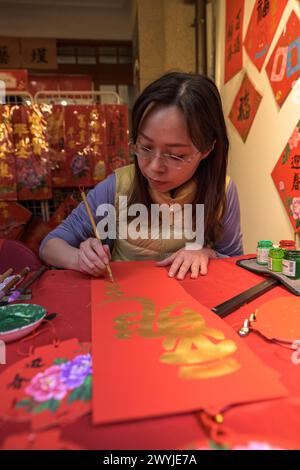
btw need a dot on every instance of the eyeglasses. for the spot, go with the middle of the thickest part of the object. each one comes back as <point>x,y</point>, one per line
<point>169,160</point>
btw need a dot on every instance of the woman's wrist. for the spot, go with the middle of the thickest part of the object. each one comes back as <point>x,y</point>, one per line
<point>209,252</point>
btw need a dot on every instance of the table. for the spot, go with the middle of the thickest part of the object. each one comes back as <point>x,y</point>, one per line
<point>68,294</point>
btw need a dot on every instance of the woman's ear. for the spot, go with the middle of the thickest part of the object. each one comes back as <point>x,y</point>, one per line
<point>210,150</point>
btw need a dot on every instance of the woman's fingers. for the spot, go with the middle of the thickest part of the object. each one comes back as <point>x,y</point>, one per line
<point>166,261</point>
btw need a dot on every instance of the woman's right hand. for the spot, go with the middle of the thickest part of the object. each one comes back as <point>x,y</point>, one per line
<point>93,257</point>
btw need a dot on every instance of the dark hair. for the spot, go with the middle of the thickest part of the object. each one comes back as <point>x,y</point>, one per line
<point>199,100</point>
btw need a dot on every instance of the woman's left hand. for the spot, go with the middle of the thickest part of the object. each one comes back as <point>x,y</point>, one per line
<point>184,260</point>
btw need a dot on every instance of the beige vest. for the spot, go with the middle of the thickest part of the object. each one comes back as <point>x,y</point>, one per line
<point>155,247</point>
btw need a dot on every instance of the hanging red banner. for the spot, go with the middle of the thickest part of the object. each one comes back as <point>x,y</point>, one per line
<point>116,136</point>
<point>263,24</point>
<point>55,119</point>
<point>97,129</point>
<point>233,38</point>
<point>78,155</point>
<point>245,107</point>
<point>283,68</point>
<point>8,181</point>
<point>286,176</point>
<point>157,351</point>
<point>31,152</point>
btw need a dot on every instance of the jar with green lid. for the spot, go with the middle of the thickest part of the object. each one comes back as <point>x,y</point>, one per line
<point>275,259</point>
<point>291,264</point>
<point>262,251</point>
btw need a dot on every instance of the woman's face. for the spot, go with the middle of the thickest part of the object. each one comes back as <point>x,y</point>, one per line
<point>164,131</point>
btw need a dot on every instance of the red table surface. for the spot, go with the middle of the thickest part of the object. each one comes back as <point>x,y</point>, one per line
<point>68,294</point>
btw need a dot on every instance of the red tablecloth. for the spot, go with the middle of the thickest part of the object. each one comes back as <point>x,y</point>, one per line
<point>68,294</point>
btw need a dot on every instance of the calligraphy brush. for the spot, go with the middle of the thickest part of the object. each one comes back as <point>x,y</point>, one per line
<point>14,281</point>
<point>89,212</point>
<point>6,274</point>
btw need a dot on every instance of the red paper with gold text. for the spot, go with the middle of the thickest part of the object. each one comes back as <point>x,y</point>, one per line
<point>286,177</point>
<point>283,68</point>
<point>265,18</point>
<point>116,136</point>
<point>8,180</point>
<point>233,38</point>
<point>157,351</point>
<point>31,153</point>
<point>245,107</point>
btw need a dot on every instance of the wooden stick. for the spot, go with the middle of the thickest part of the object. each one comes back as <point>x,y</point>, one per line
<point>89,212</point>
<point>14,281</point>
<point>6,274</point>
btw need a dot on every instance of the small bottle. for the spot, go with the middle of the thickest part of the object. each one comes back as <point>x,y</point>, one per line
<point>275,259</point>
<point>287,244</point>
<point>262,251</point>
<point>291,264</point>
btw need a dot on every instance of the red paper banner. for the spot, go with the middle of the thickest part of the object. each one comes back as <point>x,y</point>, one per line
<point>47,440</point>
<point>263,24</point>
<point>157,351</point>
<point>8,181</point>
<point>13,218</point>
<point>245,107</point>
<point>54,82</point>
<point>286,176</point>
<point>15,80</point>
<point>97,123</point>
<point>116,136</point>
<point>233,38</point>
<point>283,68</point>
<point>32,153</point>
<point>55,119</point>
<point>79,158</point>
<point>96,142</point>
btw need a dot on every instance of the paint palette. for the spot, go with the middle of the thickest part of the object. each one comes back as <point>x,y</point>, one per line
<point>19,320</point>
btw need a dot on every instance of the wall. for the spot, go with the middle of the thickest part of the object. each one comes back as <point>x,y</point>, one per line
<point>78,21</point>
<point>166,38</point>
<point>251,164</point>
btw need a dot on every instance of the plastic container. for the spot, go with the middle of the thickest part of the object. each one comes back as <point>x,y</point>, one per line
<point>262,251</point>
<point>275,259</point>
<point>287,245</point>
<point>291,264</point>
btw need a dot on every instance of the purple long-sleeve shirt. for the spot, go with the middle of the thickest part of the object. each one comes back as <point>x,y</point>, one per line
<point>76,227</point>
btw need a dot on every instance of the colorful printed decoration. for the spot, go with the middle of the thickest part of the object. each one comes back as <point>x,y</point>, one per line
<point>8,180</point>
<point>286,177</point>
<point>172,354</point>
<point>245,107</point>
<point>31,152</point>
<point>51,387</point>
<point>233,38</point>
<point>283,68</point>
<point>262,27</point>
